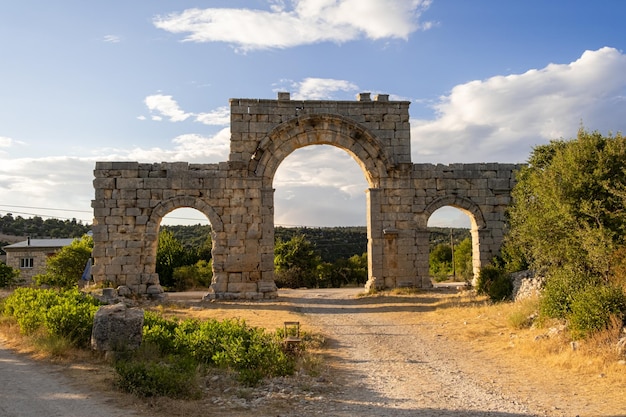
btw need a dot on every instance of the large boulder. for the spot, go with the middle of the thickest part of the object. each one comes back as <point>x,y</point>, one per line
<point>117,328</point>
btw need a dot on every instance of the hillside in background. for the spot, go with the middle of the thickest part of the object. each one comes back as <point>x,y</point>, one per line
<point>16,229</point>
<point>331,242</point>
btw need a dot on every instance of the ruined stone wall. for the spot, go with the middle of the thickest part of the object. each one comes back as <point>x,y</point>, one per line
<point>237,196</point>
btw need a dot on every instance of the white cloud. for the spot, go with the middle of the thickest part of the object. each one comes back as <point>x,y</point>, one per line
<point>112,39</point>
<point>5,142</point>
<point>187,148</point>
<point>166,106</point>
<point>162,105</point>
<point>503,117</point>
<point>319,185</point>
<point>320,88</point>
<point>64,185</point>
<point>299,22</point>
<point>217,117</point>
<point>55,183</point>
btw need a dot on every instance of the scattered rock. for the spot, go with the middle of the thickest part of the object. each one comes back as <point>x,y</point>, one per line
<point>526,285</point>
<point>117,328</point>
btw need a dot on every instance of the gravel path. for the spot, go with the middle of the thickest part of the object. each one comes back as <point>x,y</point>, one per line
<point>33,389</point>
<point>393,369</point>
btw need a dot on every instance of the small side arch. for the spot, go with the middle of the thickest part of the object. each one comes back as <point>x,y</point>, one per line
<point>477,219</point>
<point>464,204</point>
<point>166,206</point>
<point>161,210</point>
<point>321,129</point>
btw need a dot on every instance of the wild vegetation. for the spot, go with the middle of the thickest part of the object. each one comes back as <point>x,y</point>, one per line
<point>568,223</point>
<point>174,353</point>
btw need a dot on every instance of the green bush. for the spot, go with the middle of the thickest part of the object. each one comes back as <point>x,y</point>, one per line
<point>28,307</point>
<point>71,320</point>
<point>495,283</point>
<point>593,307</point>
<point>8,276</point>
<point>67,314</point>
<point>252,352</point>
<point>561,287</point>
<point>174,378</point>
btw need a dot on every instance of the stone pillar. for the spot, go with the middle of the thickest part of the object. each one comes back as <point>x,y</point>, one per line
<point>422,263</point>
<point>374,240</point>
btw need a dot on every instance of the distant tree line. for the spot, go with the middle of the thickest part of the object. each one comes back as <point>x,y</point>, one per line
<point>304,256</point>
<point>36,227</point>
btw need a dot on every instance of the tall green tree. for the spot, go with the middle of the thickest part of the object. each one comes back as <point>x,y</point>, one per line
<point>65,268</point>
<point>463,259</point>
<point>296,262</point>
<point>567,211</point>
<point>171,254</point>
<point>440,261</point>
<point>568,221</point>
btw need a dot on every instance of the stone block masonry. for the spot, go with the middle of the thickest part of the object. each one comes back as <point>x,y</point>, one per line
<point>237,197</point>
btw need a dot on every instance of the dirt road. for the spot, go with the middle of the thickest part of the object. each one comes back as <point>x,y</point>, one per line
<point>34,389</point>
<point>388,368</point>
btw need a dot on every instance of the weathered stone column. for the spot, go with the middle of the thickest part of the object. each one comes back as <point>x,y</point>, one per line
<point>374,240</point>
<point>422,241</point>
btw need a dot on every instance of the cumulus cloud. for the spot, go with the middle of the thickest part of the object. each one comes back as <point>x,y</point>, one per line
<point>187,148</point>
<point>54,183</point>
<point>503,117</point>
<point>166,106</point>
<point>161,106</point>
<point>217,117</point>
<point>320,88</point>
<point>64,184</point>
<point>299,22</point>
<point>5,142</point>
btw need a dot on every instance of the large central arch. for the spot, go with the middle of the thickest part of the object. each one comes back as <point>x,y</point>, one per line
<point>321,129</point>
<point>237,196</point>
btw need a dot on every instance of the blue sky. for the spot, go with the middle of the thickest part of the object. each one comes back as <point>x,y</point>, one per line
<point>150,80</point>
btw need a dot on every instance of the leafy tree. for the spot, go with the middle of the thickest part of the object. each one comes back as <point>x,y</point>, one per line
<point>568,211</point>
<point>192,276</point>
<point>296,262</point>
<point>65,268</point>
<point>170,255</point>
<point>8,275</point>
<point>463,259</point>
<point>440,261</point>
<point>568,221</point>
<point>352,271</point>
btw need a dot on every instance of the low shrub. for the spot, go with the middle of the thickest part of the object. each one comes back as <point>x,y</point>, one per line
<point>59,313</point>
<point>252,352</point>
<point>594,308</point>
<point>175,378</point>
<point>560,290</point>
<point>495,283</point>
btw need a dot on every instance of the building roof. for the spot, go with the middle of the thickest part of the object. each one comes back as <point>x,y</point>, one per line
<point>40,243</point>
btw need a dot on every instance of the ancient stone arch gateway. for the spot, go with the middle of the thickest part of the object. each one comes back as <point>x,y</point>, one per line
<point>237,197</point>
